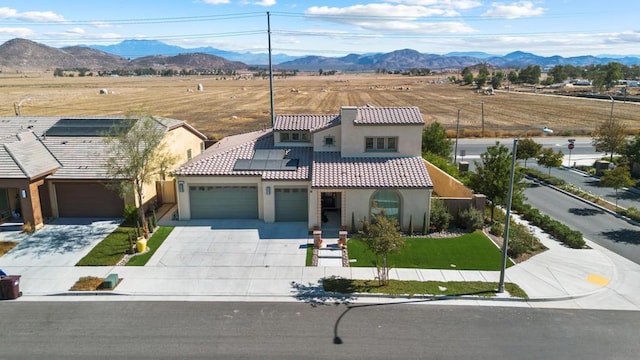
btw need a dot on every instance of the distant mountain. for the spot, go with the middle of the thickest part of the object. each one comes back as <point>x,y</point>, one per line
<point>133,49</point>
<point>22,54</point>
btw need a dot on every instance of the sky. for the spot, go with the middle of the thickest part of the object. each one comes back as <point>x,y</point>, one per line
<point>335,27</point>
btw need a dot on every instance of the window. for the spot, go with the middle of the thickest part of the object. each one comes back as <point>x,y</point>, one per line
<point>294,136</point>
<point>329,141</point>
<point>188,154</point>
<point>385,202</point>
<point>381,144</point>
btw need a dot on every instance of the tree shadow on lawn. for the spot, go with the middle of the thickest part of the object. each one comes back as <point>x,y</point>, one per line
<point>624,235</point>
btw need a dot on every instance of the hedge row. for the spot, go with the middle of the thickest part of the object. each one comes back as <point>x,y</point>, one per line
<point>569,237</point>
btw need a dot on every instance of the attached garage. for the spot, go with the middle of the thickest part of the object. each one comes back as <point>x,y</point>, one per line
<point>224,202</point>
<point>292,204</point>
<point>80,199</point>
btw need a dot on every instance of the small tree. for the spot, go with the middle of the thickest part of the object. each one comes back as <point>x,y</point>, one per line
<point>435,141</point>
<point>549,159</point>
<point>610,137</point>
<point>136,156</point>
<point>492,176</point>
<point>616,179</point>
<point>383,237</point>
<point>527,148</point>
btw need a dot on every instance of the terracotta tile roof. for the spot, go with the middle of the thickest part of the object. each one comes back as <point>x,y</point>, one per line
<point>221,160</point>
<point>332,171</point>
<point>409,115</point>
<point>304,122</point>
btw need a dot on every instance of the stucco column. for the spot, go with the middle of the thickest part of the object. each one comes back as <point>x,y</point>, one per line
<point>30,204</point>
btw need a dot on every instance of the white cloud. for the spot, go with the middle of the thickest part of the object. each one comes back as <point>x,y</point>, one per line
<point>17,32</point>
<point>76,31</point>
<point>102,24</point>
<point>215,2</point>
<point>265,2</point>
<point>374,10</point>
<point>514,10</point>
<point>448,4</point>
<point>35,16</point>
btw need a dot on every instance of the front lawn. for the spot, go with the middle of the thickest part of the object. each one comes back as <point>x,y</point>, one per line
<point>153,244</point>
<point>113,248</point>
<point>397,287</point>
<point>473,251</point>
<point>110,250</point>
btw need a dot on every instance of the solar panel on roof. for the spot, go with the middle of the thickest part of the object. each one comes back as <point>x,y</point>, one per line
<point>266,165</point>
<point>89,127</point>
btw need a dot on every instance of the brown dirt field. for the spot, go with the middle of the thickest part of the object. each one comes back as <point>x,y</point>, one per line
<point>229,106</point>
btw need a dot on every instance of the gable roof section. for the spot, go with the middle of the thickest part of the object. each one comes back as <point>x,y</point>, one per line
<point>221,160</point>
<point>77,150</point>
<point>304,122</point>
<point>332,171</point>
<point>31,159</point>
<point>408,115</point>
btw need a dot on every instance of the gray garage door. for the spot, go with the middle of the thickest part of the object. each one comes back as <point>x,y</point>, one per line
<point>224,202</point>
<point>291,204</point>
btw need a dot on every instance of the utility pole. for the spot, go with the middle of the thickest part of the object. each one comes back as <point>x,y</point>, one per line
<point>505,241</point>
<point>273,114</point>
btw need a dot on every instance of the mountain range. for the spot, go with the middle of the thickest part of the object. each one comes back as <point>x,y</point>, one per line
<point>22,54</point>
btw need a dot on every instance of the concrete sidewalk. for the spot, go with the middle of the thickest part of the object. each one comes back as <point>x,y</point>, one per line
<point>245,261</point>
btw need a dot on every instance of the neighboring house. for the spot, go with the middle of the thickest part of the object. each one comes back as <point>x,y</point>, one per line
<point>54,167</point>
<point>329,171</point>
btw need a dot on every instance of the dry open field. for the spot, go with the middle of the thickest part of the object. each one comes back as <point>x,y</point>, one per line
<point>229,106</point>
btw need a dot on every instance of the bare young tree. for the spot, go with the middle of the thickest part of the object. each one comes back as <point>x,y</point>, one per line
<point>136,156</point>
<point>610,137</point>
<point>382,236</point>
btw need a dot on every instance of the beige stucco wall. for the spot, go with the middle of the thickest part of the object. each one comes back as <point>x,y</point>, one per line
<point>414,202</point>
<point>178,142</point>
<point>409,136</point>
<point>318,139</point>
<point>446,185</point>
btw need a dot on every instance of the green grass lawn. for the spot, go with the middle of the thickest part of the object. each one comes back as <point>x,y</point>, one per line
<point>309,259</point>
<point>111,250</point>
<point>397,287</point>
<point>153,244</point>
<point>473,251</point>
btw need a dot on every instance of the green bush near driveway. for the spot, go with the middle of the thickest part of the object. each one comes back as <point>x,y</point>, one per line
<point>472,251</point>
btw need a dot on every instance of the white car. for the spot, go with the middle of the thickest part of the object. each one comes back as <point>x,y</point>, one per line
<point>546,130</point>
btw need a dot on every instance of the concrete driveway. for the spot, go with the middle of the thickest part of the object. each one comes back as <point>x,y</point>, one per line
<point>62,242</point>
<point>233,243</point>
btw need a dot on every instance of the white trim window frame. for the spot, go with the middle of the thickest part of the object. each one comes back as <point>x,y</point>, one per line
<point>381,144</point>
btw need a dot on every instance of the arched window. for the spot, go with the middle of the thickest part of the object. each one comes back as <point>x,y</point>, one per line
<point>387,202</point>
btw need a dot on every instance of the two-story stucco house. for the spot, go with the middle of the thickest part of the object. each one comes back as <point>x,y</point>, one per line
<point>327,170</point>
<point>55,167</point>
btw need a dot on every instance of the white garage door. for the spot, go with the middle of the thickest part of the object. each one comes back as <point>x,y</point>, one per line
<point>224,202</point>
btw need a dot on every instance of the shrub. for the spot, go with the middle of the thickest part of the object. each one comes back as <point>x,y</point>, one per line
<point>471,219</point>
<point>440,217</point>
<point>130,215</point>
<point>497,229</point>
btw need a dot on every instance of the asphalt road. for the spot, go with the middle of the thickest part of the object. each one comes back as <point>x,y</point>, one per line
<point>185,330</point>
<point>607,230</point>
<point>625,198</point>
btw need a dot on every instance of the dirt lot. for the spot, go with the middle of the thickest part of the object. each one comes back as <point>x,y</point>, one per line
<point>228,106</point>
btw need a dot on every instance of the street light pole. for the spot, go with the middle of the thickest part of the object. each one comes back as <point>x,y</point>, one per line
<point>455,150</point>
<point>507,221</point>
<point>482,103</point>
